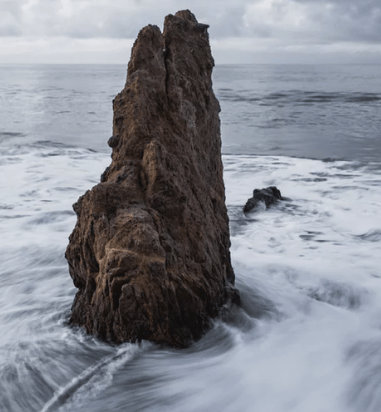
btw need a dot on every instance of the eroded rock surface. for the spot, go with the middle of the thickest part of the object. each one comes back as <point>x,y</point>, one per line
<point>150,250</point>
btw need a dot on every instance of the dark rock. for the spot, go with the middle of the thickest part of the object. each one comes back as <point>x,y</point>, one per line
<point>150,249</point>
<point>113,141</point>
<point>268,196</point>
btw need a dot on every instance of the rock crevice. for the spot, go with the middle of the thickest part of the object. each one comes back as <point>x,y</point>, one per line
<point>150,250</point>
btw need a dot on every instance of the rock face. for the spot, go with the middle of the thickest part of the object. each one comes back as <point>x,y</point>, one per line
<point>150,250</point>
<point>268,196</point>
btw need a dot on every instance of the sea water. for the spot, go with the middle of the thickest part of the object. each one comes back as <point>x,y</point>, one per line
<point>308,335</point>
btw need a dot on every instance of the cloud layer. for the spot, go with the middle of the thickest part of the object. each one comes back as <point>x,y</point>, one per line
<point>287,26</point>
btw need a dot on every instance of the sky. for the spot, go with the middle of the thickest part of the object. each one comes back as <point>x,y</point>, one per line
<point>241,31</point>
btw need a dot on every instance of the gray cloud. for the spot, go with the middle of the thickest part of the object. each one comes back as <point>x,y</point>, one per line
<point>350,20</point>
<point>318,21</point>
<point>10,18</point>
<point>234,24</point>
<point>314,21</point>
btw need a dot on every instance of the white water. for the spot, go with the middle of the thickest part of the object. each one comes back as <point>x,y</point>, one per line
<point>317,259</point>
<point>308,337</point>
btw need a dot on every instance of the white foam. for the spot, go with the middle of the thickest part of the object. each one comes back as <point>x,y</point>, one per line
<point>308,269</point>
<point>90,382</point>
<point>307,256</point>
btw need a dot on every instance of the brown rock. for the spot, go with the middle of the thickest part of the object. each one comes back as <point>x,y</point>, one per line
<point>150,250</point>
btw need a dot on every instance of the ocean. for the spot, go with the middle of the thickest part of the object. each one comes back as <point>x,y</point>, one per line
<point>308,335</point>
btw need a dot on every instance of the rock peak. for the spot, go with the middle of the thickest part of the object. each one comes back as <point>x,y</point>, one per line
<point>150,249</point>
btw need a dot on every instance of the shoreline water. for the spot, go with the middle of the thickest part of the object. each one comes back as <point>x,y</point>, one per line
<point>308,334</point>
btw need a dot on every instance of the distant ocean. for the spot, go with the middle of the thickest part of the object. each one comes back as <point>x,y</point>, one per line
<point>308,335</point>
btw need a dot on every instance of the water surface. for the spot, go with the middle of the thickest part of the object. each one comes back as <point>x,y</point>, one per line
<point>308,335</point>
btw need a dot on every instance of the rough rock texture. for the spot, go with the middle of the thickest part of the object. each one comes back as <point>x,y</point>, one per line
<point>150,250</point>
<point>268,196</point>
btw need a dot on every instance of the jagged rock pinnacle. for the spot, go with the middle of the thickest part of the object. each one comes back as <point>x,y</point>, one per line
<point>150,250</point>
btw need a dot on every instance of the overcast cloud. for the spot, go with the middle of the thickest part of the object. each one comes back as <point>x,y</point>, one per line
<point>245,31</point>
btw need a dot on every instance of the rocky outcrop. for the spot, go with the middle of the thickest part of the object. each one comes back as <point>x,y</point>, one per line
<point>150,249</point>
<point>268,196</point>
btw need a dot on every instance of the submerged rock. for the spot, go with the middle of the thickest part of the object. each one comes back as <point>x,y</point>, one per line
<point>268,196</point>
<point>150,249</point>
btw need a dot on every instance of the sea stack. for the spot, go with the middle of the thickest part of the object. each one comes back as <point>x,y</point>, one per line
<point>150,249</point>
